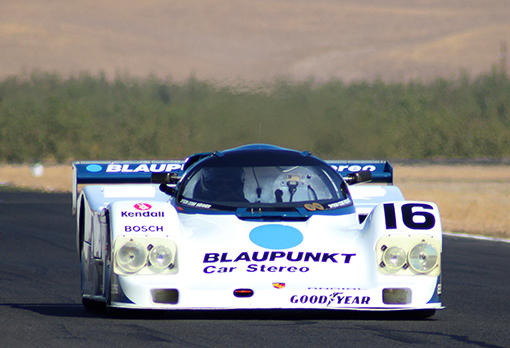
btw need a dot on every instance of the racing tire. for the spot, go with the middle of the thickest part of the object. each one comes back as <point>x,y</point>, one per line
<point>116,312</point>
<point>420,314</point>
<point>93,306</point>
<point>112,311</point>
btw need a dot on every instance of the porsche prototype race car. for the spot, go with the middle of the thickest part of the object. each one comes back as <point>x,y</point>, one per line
<point>255,227</point>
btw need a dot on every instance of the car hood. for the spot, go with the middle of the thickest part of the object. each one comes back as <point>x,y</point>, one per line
<point>215,245</point>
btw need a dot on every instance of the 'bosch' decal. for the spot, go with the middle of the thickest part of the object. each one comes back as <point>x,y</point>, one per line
<point>143,228</point>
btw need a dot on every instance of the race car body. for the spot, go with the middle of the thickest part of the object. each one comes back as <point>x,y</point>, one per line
<point>256,227</point>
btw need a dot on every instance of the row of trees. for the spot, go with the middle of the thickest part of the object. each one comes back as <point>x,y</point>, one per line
<point>85,117</point>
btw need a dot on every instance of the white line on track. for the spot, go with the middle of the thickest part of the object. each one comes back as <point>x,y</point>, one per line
<point>463,235</point>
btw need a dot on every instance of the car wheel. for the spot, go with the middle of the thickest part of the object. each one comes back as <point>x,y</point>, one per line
<point>420,314</point>
<point>93,306</point>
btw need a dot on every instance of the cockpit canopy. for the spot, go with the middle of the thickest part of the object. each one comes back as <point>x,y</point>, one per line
<point>262,177</point>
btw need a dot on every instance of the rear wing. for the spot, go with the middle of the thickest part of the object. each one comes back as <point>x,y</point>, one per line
<point>139,172</point>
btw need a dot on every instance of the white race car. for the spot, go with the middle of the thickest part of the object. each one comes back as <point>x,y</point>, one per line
<point>255,227</point>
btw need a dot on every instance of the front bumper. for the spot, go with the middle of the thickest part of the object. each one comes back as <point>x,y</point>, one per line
<point>139,292</point>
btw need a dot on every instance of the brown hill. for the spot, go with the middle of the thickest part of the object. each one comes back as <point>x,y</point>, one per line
<point>254,39</point>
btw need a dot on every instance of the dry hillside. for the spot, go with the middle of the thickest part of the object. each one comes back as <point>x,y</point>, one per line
<point>254,39</point>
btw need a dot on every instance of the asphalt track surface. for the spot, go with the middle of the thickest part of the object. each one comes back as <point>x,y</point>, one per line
<point>40,300</point>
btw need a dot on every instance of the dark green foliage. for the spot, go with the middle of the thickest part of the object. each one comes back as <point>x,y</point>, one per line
<point>46,117</point>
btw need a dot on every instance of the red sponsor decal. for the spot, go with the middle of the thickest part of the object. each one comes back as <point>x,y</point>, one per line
<point>142,206</point>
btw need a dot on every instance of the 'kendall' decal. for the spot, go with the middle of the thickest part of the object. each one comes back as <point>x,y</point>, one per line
<point>143,211</point>
<point>276,237</point>
<point>147,214</point>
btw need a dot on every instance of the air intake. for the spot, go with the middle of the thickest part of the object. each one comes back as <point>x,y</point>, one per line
<point>168,296</point>
<point>243,293</point>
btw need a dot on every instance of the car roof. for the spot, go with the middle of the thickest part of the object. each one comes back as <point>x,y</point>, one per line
<point>258,155</point>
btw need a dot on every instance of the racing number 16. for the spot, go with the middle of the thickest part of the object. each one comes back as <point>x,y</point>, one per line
<point>425,219</point>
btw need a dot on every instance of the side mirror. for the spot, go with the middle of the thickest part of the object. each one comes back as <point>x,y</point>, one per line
<point>167,182</point>
<point>359,177</point>
<point>169,190</point>
<point>164,178</point>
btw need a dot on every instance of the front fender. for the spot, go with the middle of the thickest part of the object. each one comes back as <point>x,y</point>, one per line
<point>149,218</point>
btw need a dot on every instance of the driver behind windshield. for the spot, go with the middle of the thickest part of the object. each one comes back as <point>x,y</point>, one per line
<point>223,184</point>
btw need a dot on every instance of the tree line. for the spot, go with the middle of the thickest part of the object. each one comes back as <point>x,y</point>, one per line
<point>46,117</point>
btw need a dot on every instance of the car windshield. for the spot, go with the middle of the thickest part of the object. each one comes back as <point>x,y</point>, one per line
<point>263,185</point>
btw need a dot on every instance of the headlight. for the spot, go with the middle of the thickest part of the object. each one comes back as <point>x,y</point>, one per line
<point>404,255</point>
<point>131,257</point>
<point>144,255</point>
<point>160,257</point>
<point>423,258</point>
<point>394,258</point>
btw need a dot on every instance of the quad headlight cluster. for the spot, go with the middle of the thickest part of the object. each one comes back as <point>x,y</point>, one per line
<point>408,254</point>
<point>144,255</point>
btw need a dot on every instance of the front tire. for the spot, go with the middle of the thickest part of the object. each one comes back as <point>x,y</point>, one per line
<point>93,306</point>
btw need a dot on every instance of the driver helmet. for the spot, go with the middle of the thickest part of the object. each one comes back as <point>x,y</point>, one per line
<point>223,179</point>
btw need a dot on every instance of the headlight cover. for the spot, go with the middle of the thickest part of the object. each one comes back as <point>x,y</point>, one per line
<point>160,257</point>
<point>143,255</point>
<point>394,257</point>
<point>409,255</point>
<point>131,257</point>
<point>423,257</point>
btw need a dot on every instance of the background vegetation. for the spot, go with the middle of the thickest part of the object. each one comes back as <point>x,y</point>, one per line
<point>47,117</point>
